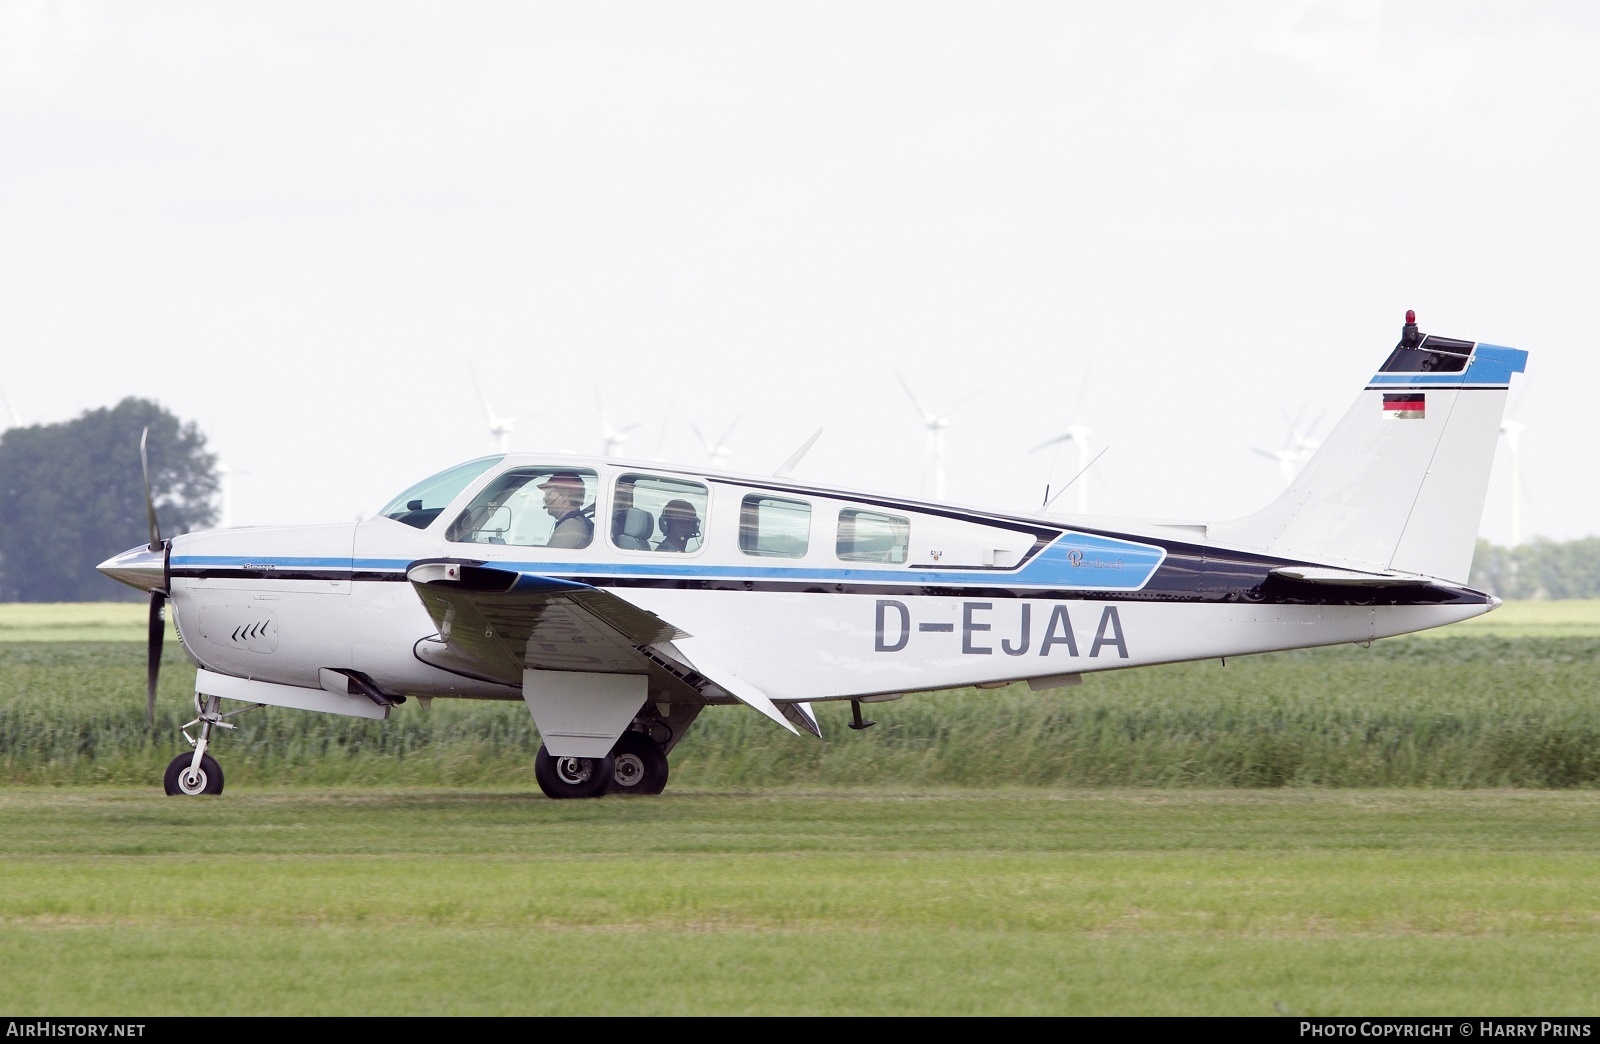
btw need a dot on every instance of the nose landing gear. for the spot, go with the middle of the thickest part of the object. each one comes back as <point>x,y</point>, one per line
<point>199,773</point>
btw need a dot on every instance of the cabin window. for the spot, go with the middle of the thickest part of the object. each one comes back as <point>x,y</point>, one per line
<point>772,527</point>
<point>655,513</point>
<point>531,507</point>
<point>422,503</point>
<point>866,536</point>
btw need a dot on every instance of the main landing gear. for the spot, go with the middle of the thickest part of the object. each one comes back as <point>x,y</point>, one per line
<point>636,765</point>
<point>570,777</point>
<point>199,773</point>
<point>640,765</point>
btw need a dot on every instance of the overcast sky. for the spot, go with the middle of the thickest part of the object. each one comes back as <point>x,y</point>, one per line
<point>306,227</point>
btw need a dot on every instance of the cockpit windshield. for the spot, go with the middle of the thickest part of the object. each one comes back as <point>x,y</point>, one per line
<point>421,504</point>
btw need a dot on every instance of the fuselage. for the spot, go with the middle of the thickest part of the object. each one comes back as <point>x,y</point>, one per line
<point>806,592</point>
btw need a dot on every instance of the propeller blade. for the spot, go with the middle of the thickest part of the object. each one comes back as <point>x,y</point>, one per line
<point>158,632</point>
<point>149,500</point>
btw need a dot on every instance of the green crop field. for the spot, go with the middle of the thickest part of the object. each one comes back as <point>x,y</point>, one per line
<point>1470,707</point>
<point>1412,828</point>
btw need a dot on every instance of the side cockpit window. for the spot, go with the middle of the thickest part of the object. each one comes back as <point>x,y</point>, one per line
<point>867,536</point>
<point>655,513</point>
<point>774,527</point>
<point>422,503</point>
<point>531,507</point>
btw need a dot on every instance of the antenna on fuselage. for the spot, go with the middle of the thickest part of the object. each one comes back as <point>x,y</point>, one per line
<point>1076,432</point>
<point>1051,500</point>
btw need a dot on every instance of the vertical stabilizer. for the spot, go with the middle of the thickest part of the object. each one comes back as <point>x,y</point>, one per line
<point>1401,482</point>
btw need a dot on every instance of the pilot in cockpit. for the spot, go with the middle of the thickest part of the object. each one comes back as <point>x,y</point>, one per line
<point>563,499</point>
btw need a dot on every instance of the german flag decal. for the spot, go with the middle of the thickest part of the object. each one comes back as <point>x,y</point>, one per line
<point>1405,405</point>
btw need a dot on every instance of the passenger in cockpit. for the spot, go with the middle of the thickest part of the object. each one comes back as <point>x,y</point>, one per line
<point>679,525</point>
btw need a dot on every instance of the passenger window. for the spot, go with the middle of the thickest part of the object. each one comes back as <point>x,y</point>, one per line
<point>653,513</point>
<point>866,536</point>
<point>531,507</point>
<point>774,528</point>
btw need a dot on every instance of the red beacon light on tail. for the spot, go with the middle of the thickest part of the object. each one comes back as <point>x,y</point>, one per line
<point>1408,334</point>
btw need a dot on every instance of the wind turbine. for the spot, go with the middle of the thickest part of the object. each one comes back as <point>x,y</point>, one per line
<point>16,421</point>
<point>499,427</point>
<point>719,451</point>
<point>612,438</point>
<point>1297,448</point>
<point>936,423</point>
<point>1512,430</point>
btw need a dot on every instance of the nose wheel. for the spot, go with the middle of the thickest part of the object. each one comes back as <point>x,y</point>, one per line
<point>184,777</point>
<point>198,773</point>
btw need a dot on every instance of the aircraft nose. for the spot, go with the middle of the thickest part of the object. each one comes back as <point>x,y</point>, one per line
<point>137,567</point>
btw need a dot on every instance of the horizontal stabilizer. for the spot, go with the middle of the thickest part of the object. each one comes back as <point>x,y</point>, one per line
<point>1352,577</point>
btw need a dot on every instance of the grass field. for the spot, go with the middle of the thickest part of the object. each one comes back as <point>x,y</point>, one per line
<point>392,902</point>
<point>1411,828</point>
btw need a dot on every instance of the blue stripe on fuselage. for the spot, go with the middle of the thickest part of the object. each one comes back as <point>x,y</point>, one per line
<point>1073,561</point>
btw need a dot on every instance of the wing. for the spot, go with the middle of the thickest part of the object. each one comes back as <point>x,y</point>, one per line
<point>496,623</point>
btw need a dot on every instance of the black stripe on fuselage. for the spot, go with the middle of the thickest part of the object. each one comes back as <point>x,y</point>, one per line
<point>1184,577</point>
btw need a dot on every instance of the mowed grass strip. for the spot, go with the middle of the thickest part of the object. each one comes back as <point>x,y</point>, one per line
<point>1232,902</point>
<point>372,971</point>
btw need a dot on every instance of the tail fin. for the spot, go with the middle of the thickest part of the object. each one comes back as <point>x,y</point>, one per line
<point>1400,483</point>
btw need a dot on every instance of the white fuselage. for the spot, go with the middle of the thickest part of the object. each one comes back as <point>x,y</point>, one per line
<point>977,598</point>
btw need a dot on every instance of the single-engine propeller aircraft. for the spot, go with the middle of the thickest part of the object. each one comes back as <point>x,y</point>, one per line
<point>618,600</point>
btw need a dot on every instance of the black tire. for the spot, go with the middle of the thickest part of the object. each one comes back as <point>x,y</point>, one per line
<point>571,777</point>
<point>176,782</point>
<point>638,765</point>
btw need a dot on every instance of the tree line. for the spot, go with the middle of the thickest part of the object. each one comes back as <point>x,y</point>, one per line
<point>72,495</point>
<point>1538,569</point>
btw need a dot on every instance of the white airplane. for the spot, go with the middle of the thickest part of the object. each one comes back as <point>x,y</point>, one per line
<point>618,600</point>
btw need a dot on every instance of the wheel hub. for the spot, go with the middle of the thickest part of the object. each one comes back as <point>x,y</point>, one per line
<point>629,770</point>
<point>575,770</point>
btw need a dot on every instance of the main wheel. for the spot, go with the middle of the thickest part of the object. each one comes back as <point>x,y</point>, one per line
<point>571,777</point>
<point>640,765</point>
<point>180,780</point>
